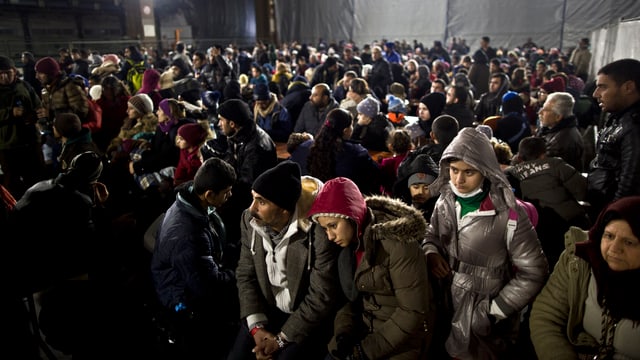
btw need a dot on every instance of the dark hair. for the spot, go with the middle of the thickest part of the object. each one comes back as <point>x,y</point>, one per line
<point>441,82</point>
<point>177,108</point>
<point>29,55</point>
<point>295,139</point>
<point>328,142</point>
<point>359,86</point>
<point>462,79</point>
<point>461,93</point>
<point>486,38</point>
<point>200,55</point>
<point>531,148</point>
<point>114,87</point>
<point>445,128</point>
<point>351,73</point>
<point>214,174</point>
<point>400,141</point>
<point>504,79</point>
<point>331,60</point>
<point>549,74</point>
<point>621,71</point>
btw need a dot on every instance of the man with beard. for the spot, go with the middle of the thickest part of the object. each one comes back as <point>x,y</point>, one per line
<point>287,274</point>
<point>315,111</point>
<point>489,103</point>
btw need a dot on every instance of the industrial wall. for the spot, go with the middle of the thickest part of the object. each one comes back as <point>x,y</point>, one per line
<point>550,23</point>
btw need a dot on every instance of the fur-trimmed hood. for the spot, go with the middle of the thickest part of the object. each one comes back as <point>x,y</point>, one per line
<point>392,219</point>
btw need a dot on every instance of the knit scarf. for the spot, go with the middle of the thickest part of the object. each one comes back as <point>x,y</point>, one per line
<point>166,126</point>
<point>264,113</point>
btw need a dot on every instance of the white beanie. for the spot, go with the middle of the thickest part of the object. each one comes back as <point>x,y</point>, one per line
<point>142,103</point>
<point>95,92</point>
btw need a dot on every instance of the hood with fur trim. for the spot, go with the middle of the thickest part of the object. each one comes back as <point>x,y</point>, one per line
<point>394,220</point>
<point>377,217</point>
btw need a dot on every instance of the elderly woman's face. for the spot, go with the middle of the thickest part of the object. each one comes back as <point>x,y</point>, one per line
<point>620,248</point>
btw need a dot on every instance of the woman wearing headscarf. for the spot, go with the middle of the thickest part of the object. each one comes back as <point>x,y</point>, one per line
<point>381,272</point>
<point>589,307</point>
<point>429,108</point>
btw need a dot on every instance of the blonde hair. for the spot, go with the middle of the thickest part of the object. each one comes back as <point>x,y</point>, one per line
<point>243,79</point>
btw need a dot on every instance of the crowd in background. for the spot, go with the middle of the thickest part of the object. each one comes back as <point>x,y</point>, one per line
<point>184,183</point>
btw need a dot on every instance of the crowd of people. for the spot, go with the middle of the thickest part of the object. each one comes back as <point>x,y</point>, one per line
<point>225,203</point>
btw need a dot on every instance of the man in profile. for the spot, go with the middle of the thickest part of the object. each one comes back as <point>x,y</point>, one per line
<point>615,171</point>
<point>287,274</point>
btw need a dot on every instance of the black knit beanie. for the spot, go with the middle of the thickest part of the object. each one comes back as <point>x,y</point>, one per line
<point>237,111</point>
<point>280,185</point>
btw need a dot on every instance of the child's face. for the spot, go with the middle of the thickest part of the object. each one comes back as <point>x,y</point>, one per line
<point>465,177</point>
<point>181,143</point>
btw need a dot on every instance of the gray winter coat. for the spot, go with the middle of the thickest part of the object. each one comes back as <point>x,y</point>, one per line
<point>486,268</point>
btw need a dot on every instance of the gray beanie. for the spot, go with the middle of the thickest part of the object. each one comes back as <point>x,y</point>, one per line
<point>369,107</point>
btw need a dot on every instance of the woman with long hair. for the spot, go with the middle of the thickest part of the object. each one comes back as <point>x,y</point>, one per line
<point>332,154</point>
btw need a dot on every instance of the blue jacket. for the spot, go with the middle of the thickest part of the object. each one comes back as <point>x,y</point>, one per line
<point>277,123</point>
<point>186,266</point>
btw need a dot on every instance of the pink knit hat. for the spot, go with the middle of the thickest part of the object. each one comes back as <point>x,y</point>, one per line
<point>111,58</point>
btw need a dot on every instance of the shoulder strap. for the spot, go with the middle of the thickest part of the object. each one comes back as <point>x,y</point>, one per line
<point>512,223</point>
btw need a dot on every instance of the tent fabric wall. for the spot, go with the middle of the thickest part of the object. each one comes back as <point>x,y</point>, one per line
<point>614,42</point>
<point>308,21</point>
<point>508,22</point>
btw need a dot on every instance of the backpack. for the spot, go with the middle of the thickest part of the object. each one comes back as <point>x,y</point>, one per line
<point>93,120</point>
<point>512,223</point>
<point>134,75</point>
